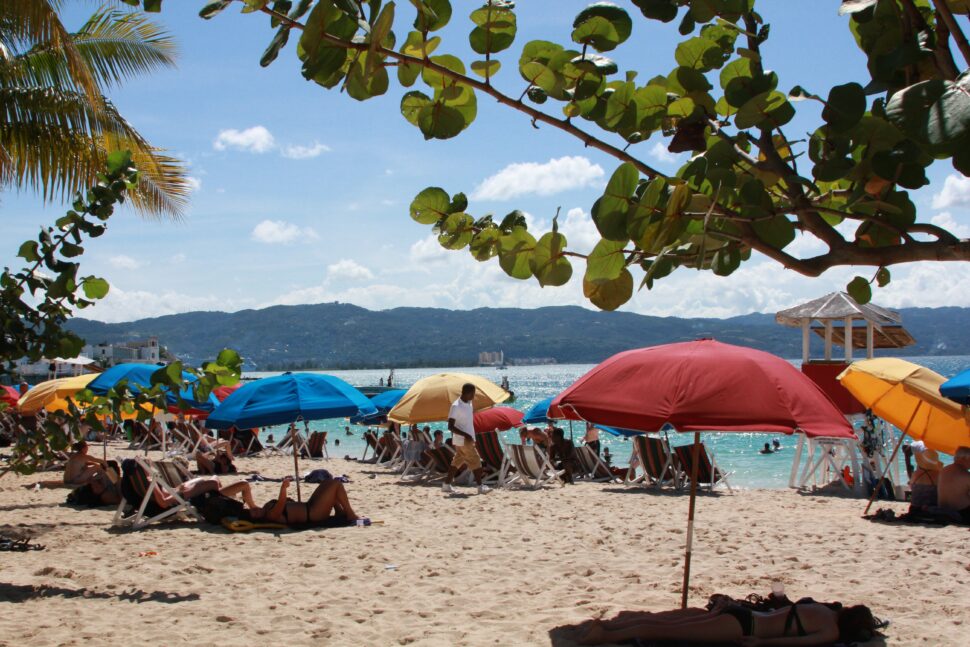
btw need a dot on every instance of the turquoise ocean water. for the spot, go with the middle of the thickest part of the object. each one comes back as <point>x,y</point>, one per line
<point>734,452</point>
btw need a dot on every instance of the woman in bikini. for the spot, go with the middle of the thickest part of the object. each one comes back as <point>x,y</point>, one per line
<point>328,500</point>
<point>803,624</point>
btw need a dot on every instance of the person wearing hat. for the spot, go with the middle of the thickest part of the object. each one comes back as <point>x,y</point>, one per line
<point>923,482</point>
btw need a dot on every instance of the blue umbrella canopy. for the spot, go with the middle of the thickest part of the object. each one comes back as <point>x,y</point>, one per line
<point>140,375</point>
<point>537,413</point>
<point>957,388</point>
<point>286,398</point>
<point>383,402</point>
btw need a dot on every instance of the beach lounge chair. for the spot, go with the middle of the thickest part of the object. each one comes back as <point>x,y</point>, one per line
<point>590,466</point>
<point>656,462</point>
<point>389,451</point>
<point>139,480</point>
<point>532,467</point>
<point>707,473</point>
<point>414,456</point>
<point>495,463</point>
<point>316,445</point>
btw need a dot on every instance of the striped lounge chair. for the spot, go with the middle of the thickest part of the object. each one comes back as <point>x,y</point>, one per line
<point>657,464</point>
<point>532,467</point>
<point>495,463</point>
<point>707,473</point>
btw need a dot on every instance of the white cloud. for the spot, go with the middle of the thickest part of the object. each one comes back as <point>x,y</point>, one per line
<point>946,220</point>
<point>195,184</point>
<point>255,140</point>
<point>123,262</point>
<point>281,232</point>
<point>955,193</point>
<point>428,251</point>
<point>660,153</point>
<point>178,258</point>
<point>350,270</point>
<point>121,305</point>
<point>524,178</point>
<point>298,152</point>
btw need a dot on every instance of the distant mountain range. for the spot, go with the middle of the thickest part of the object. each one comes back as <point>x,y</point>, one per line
<point>336,335</point>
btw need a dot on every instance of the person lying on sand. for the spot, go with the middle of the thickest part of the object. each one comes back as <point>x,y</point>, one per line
<point>802,624</point>
<point>330,497</point>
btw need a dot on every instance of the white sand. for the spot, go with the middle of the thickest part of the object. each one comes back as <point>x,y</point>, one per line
<point>505,568</point>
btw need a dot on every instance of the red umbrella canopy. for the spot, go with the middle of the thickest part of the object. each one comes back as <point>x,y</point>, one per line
<point>222,392</point>
<point>497,418</point>
<point>9,395</point>
<point>702,386</point>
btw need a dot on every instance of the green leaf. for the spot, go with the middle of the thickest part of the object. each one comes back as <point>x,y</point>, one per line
<point>777,232</point>
<point>214,8</point>
<point>548,264</point>
<point>883,277</point>
<point>602,25</point>
<point>28,251</point>
<point>153,6</point>
<point>609,212</point>
<point>901,165</point>
<point>726,261</point>
<point>606,261</point>
<point>845,107</point>
<point>486,244</point>
<point>515,253</point>
<point>456,231</point>
<point>700,54</point>
<point>118,162</point>
<point>486,69</point>
<point>430,206</point>
<point>432,14</point>
<point>935,113</point>
<point>766,110</point>
<point>273,50</point>
<point>662,10</point>
<point>609,294</point>
<point>95,288</point>
<point>860,290</point>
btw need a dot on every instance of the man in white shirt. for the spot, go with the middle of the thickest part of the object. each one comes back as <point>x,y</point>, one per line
<point>462,427</point>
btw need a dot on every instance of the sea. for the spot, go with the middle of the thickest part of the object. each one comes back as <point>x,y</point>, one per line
<point>735,452</point>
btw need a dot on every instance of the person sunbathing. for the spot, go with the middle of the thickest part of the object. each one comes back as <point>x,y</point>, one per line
<point>81,469</point>
<point>328,501</point>
<point>202,484</point>
<point>802,624</point>
<point>534,434</point>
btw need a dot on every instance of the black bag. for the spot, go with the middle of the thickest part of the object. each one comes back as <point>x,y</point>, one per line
<point>216,507</point>
<point>84,496</point>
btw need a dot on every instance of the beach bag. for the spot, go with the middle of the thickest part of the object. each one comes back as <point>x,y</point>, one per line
<point>216,507</point>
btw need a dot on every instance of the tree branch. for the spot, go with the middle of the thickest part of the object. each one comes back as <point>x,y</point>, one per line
<point>943,10</point>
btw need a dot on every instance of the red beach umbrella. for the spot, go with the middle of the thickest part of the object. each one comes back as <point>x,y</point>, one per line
<point>9,395</point>
<point>701,386</point>
<point>222,392</point>
<point>497,419</point>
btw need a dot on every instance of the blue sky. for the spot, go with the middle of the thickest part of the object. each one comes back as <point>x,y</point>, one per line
<point>302,194</point>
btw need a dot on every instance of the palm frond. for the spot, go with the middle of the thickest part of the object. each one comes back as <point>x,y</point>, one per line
<point>26,23</point>
<point>55,144</point>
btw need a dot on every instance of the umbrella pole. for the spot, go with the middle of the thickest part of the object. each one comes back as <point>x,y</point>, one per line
<point>296,460</point>
<point>889,463</point>
<point>695,458</point>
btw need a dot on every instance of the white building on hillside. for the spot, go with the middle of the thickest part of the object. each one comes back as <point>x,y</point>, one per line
<point>142,352</point>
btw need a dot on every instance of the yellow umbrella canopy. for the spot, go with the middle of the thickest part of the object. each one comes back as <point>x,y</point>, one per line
<point>908,396</point>
<point>52,395</point>
<point>429,400</point>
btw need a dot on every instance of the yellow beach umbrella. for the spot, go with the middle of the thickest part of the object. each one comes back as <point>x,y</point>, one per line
<point>52,395</point>
<point>430,399</point>
<point>908,396</point>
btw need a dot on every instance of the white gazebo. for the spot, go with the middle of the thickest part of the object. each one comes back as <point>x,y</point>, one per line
<point>840,320</point>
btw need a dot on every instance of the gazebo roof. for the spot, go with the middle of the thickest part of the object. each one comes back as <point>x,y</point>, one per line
<point>837,306</point>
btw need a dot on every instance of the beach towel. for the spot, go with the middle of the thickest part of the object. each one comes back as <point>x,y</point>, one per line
<point>241,525</point>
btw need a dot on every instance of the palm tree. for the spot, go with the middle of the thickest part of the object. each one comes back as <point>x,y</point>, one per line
<point>56,126</point>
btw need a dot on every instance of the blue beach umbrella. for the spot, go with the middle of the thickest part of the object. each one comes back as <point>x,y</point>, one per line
<point>383,402</point>
<point>140,376</point>
<point>957,388</point>
<point>287,398</point>
<point>537,413</point>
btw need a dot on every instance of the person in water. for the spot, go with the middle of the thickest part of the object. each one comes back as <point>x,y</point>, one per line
<point>775,444</point>
<point>767,449</point>
<point>328,500</point>
<point>803,624</point>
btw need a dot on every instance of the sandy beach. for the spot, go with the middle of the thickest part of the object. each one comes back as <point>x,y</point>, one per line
<point>506,568</point>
